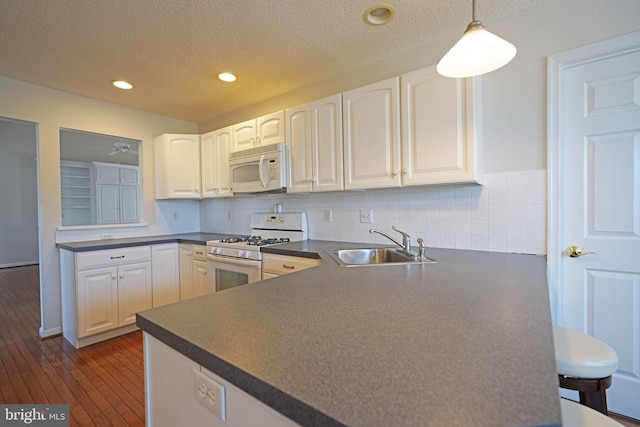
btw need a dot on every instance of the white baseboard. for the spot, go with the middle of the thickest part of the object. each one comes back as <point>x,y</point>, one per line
<point>45,333</point>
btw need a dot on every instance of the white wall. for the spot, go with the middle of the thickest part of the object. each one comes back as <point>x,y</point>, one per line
<point>51,110</point>
<point>18,194</point>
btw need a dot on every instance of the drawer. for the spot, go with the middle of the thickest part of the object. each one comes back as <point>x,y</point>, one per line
<point>283,264</point>
<point>199,252</point>
<point>111,257</point>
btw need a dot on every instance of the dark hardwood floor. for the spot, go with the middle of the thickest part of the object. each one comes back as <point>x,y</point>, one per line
<point>103,383</point>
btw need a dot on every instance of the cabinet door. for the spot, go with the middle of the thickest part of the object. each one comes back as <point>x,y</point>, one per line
<point>440,128</point>
<point>129,203</point>
<point>270,129</point>
<point>134,291</point>
<point>244,135</point>
<point>129,176</point>
<point>209,165</point>
<point>223,138</point>
<point>372,135</point>
<point>165,266</point>
<point>97,301</point>
<point>326,137</point>
<point>215,163</point>
<point>200,286</point>
<point>182,166</point>
<point>108,204</point>
<point>107,175</point>
<point>186,271</point>
<point>299,141</point>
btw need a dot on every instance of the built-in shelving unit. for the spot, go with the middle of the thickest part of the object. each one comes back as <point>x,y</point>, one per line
<point>77,193</point>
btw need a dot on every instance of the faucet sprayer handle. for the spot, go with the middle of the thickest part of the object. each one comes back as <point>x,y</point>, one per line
<point>421,249</point>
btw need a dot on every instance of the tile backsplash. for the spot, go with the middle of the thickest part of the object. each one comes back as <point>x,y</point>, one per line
<point>507,214</point>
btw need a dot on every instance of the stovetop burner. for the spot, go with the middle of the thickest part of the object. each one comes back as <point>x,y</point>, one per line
<point>236,239</point>
<point>259,241</point>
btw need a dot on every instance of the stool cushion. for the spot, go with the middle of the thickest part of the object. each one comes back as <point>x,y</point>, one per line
<point>577,415</point>
<point>582,356</point>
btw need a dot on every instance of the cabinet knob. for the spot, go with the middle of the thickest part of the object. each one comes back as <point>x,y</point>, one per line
<point>122,276</point>
<point>405,171</point>
<point>114,277</point>
<point>394,172</point>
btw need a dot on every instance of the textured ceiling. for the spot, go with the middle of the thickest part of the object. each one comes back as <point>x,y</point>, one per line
<point>172,50</point>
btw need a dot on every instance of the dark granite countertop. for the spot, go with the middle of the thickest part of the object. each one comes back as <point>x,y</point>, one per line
<point>93,245</point>
<point>466,341</point>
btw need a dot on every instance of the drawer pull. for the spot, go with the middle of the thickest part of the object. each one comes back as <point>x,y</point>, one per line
<point>199,253</point>
<point>117,257</point>
<point>290,267</point>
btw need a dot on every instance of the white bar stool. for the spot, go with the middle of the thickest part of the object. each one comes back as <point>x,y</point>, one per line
<point>577,415</point>
<point>584,364</point>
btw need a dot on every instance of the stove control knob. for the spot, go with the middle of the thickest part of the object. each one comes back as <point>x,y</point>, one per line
<point>240,254</point>
<point>218,251</point>
<point>247,254</point>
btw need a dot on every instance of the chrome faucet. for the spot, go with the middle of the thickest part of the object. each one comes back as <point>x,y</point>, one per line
<point>406,240</point>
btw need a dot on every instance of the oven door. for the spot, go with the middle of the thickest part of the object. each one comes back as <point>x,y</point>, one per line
<point>226,273</point>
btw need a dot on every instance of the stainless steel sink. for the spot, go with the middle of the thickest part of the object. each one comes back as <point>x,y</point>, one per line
<point>374,256</point>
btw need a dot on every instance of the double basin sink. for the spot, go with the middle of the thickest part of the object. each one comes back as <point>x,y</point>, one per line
<point>375,256</point>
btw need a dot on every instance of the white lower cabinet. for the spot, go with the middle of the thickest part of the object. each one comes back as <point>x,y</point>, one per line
<point>193,271</point>
<point>102,291</point>
<point>166,273</point>
<point>172,397</point>
<point>274,265</point>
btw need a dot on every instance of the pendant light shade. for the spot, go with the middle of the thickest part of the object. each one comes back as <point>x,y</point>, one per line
<point>477,52</point>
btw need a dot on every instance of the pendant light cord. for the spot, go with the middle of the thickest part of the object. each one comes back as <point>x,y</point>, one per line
<point>473,10</point>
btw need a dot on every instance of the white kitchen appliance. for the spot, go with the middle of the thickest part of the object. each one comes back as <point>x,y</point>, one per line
<point>237,261</point>
<point>258,169</point>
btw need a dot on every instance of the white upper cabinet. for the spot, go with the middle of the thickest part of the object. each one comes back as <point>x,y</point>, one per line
<point>117,193</point>
<point>298,127</point>
<point>326,137</point>
<point>215,163</point>
<point>314,137</point>
<point>264,130</point>
<point>371,120</point>
<point>177,162</point>
<point>441,128</point>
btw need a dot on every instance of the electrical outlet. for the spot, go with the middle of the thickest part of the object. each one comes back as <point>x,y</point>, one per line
<point>366,216</point>
<point>328,215</point>
<point>175,216</point>
<point>229,216</point>
<point>106,236</point>
<point>210,394</point>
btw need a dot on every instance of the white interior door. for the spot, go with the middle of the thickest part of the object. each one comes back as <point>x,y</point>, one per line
<point>598,195</point>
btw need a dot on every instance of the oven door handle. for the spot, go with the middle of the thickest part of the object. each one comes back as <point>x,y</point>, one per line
<point>261,171</point>
<point>236,261</point>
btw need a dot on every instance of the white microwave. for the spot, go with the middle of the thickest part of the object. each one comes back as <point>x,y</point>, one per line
<point>258,169</point>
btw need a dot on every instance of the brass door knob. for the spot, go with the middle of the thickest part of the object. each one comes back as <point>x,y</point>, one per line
<point>575,252</point>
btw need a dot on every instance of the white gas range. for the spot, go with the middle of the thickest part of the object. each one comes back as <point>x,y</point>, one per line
<point>237,261</point>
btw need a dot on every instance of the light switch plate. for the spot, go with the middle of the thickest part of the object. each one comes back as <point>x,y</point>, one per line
<point>366,216</point>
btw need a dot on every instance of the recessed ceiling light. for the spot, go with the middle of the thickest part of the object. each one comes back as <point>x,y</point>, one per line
<point>379,15</point>
<point>121,84</point>
<point>227,77</point>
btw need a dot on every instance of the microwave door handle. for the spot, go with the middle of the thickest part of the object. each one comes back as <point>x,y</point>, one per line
<point>261,170</point>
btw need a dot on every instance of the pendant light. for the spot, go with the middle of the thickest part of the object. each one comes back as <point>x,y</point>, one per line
<point>477,52</point>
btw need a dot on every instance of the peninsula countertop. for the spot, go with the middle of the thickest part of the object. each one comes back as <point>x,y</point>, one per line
<point>466,341</point>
